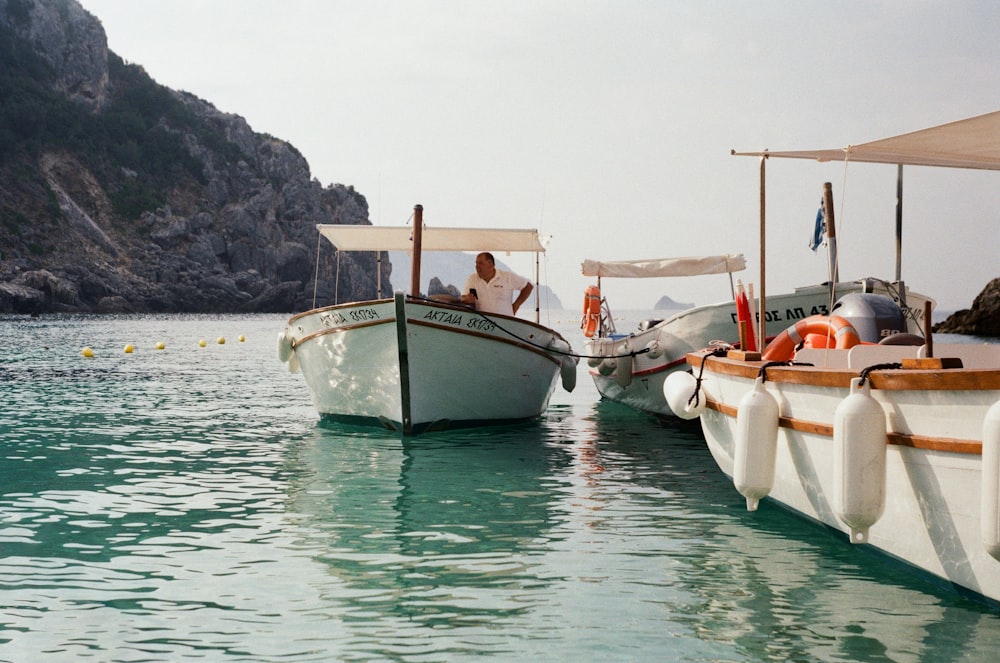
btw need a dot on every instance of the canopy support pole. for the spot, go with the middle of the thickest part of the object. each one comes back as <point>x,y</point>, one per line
<point>538,290</point>
<point>761,327</point>
<point>899,223</point>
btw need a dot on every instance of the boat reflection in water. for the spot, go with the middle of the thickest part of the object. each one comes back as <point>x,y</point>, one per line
<point>766,583</point>
<point>436,532</point>
<point>588,533</point>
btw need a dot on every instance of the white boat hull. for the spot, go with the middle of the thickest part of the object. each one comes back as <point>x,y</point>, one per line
<point>932,493</point>
<point>694,329</point>
<point>414,365</point>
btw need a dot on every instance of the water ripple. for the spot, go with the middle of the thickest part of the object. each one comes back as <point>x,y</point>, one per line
<point>187,504</point>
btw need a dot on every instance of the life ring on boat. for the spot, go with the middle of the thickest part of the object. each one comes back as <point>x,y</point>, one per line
<point>591,311</point>
<point>783,346</point>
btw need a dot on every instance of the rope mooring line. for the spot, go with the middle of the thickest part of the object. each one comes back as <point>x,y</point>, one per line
<point>536,345</point>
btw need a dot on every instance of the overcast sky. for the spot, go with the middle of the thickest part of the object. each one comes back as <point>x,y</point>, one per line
<point>608,125</point>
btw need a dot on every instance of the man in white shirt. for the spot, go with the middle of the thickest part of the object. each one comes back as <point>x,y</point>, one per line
<point>491,290</point>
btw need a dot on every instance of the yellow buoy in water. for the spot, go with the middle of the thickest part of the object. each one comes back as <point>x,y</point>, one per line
<point>87,352</point>
<point>221,341</point>
<point>160,345</point>
<point>242,338</point>
<point>202,343</point>
<point>129,349</point>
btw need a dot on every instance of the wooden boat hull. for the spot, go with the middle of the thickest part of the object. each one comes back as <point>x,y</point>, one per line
<point>413,365</point>
<point>932,515</point>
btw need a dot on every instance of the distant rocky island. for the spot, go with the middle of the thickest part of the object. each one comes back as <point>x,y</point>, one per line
<point>665,303</point>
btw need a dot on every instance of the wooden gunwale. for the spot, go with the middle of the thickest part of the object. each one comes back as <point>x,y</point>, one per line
<point>498,339</point>
<point>371,302</point>
<point>953,445</point>
<point>950,379</point>
<point>465,309</point>
<point>296,342</point>
<point>885,380</point>
<point>361,325</point>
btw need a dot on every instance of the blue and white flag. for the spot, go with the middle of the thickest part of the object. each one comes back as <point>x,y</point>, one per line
<point>819,229</point>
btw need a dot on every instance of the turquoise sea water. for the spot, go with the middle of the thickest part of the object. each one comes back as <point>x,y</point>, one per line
<point>185,504</point>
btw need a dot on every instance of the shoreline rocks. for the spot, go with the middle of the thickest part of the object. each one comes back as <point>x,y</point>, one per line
<point>982,319</point>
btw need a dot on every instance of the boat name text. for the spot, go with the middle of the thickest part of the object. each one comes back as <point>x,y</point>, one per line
<point>337,318</point>
<point>459,320</point>
<point>797,313</point>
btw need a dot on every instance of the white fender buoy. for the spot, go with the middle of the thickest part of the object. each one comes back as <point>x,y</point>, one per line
<point>284,347</point>
<point>989,509</point>
<point>567,363</point>
<point>678,389</point>
<point>654,349</point>
<point>623,371</point>
<point>598,350</point>
<point>859,460</point>
<point>293,363</point>
<point>607,366</point>
<point>756,444</point>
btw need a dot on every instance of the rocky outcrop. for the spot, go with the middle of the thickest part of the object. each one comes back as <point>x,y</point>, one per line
<point>983,319</point>
<point>436,287</point>
<point>70,40</point>
<point>129,197</point>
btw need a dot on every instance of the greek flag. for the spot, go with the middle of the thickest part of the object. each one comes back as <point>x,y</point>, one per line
<point>819,229</point>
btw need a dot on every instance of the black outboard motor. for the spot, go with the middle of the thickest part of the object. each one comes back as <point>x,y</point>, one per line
<point>874,317</point>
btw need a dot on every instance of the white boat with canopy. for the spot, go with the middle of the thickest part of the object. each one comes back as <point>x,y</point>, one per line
<point>896,446</point>
<point>413,363</point>
<point>631,368</point>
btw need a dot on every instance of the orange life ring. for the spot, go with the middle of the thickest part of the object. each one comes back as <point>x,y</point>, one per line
<point>783,346</point>
<point>591,311</point>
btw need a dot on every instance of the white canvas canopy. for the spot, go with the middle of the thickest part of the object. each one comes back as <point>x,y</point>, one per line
<point>971,143</point>
<point>428,238</point>
<point>693,266</point>
<point>400,238</point>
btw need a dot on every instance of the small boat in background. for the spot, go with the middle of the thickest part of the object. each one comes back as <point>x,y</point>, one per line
<point>411,363</point>
<point>897,446</point>
<point>631,368</point>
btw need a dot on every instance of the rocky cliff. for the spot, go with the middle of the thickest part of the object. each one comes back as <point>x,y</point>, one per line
<point>120,195</point>
<point>983,319</point>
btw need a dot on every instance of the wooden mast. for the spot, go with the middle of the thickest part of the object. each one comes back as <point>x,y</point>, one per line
<point>418,232</point>
<point>831,234</point>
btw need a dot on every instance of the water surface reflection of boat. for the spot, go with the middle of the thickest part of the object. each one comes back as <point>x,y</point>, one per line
<point>429,532</point>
